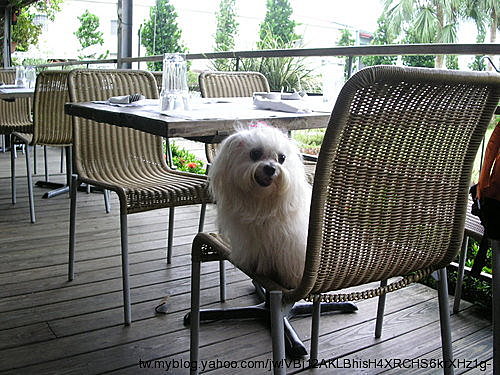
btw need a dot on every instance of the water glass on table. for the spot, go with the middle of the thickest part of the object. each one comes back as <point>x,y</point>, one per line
<point>30,76</point>
<point>20,76</point>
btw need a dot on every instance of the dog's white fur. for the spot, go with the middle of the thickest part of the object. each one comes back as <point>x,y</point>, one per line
<point>266,225</point>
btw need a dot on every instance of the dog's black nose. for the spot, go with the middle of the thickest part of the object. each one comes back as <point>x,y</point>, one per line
<point>269,170</point>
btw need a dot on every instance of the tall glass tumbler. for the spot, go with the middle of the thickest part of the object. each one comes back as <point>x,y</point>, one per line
<point>20,76</point>
<point>175,93</point>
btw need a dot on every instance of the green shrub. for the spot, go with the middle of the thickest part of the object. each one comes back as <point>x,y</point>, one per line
<point>309,141</point>
<point>186,161</point>
<point>474,290</point>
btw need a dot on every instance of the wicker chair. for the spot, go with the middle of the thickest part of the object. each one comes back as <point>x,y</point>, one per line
<point>389,194</point>
<point>51,127</point>
<point>15,116</point>
<point>159,79</point>
<point>215,84</point>
<point>126,161</point>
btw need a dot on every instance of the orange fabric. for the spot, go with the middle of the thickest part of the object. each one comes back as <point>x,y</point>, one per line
<point>489,180</point>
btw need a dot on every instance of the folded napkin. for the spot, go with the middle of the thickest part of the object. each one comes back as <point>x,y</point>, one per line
<point>295,106</point>
<point>126,99</point>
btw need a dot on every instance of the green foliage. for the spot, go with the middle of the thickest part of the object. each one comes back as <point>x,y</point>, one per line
<point>425,61</point>
<point>286,73</point>
<point>426,21</point>
<point>88,35</point>
<point>309,141</point>
<point>185,160</point>
<point>381,36</point>
<point>478,62</point>
<point>484,13</point>
<point>346,39</point>
<point>277,32</point>
<point>25,32</point>
<point>161,34</point>
<point>451,62</point>
<point>227,28</point>
<point>474,290</point>
<point>278,24</point>
<point>472,250</point>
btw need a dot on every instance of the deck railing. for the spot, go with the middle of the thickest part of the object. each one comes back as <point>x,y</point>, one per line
<point>351,52</point>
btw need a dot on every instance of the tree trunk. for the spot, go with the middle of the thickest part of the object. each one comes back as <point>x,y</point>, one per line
<point>440,18</point>
<point>493,33</point>
<point>493,26</point>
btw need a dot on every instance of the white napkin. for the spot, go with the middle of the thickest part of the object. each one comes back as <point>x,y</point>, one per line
<point>125,99</point>
<point>295,106</point>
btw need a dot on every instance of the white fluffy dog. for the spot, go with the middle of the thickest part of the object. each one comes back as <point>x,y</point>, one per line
<point>262,198</point>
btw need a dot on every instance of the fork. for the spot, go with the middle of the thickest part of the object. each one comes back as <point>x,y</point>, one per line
<point>135,97</point>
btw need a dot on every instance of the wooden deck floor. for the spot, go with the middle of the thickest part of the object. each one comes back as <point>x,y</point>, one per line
<point>51,326</point>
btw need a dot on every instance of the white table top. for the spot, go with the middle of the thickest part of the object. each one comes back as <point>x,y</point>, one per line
<point>209,118</point>
<point>13,92</point>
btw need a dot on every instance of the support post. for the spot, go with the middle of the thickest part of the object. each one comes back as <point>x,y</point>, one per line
<point>124,32</point>
<point>7,36</point>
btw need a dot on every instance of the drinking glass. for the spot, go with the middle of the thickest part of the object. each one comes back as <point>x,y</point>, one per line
<point>30,75</point>
<point>175,93</point>
<point>20,76</point>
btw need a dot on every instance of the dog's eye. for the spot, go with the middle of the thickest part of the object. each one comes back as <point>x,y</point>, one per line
<point>256,154</point>
<point>281,158</point>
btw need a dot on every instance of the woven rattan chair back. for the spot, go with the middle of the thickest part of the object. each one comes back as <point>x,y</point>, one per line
<point>215,84</point>
<point>391,184</point>
<point>159,79</point>
<point>15,116</point>
<point>51,126</point>
<point>107,149</point>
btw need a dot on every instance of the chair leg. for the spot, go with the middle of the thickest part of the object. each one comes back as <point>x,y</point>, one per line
<point>125,271</point>
<point>106,201</point>
<point>316,315</point>
<point>45,163</point>
<point>380,311</point>
<point>222,280</point>
<point>460,275</point>
<point>34,159</point>
<point>72,227</point>
<point>30,185</point>
<point>61,167</point>
<point>444,317</point>
<point>202,217</point>
<point>277,332</point>
<point>195,316</point>
<point>170,239</point>
<point>12,171</point>
<point>495,247</point>
<point>69,164</point>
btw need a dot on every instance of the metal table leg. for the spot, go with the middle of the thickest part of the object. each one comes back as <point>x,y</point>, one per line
<point>294,346</point>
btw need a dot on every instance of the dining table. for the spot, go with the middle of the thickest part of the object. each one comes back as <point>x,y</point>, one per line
<point>207,120</point>
<point>211,120</point>
<point>13,92</point>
